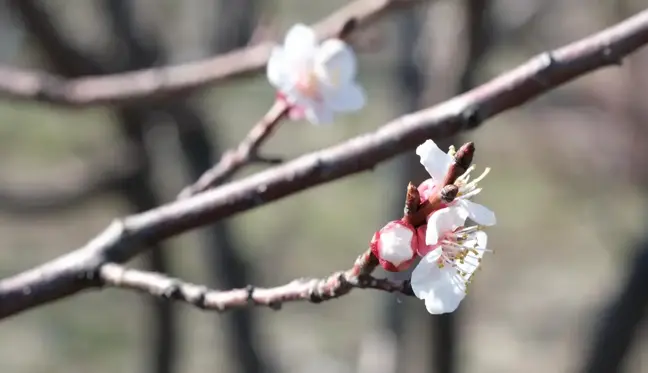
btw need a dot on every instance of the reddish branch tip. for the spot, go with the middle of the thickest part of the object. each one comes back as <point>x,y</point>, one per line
<point>465,154</point>
<point>463,158</point>
<point>449,193</point>
<point>412,199</point>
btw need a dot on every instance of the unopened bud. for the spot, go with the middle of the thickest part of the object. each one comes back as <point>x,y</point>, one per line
<point>449,193</point>
<point>412,199</point>
<point>395,245</point>
<point>464,155</point>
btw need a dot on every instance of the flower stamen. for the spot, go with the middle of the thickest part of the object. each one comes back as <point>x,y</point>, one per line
<point>457,254</point>
<point>467,188</point>
<point>307,84</point>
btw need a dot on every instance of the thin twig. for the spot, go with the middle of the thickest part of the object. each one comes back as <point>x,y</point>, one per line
<point>246,152</point>
<point>128,237</point>
<point>305,289</point>
<point>159,83</point>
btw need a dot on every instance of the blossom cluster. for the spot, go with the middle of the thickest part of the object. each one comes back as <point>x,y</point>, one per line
<point>316,80</point>
<point>451,248</point>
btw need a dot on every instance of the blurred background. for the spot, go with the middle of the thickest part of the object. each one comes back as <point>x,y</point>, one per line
<point>564,292</point>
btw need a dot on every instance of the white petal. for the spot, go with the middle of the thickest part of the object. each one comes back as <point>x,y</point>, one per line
<point>436,286</point>
<point>300,43</point>
<point>425,273</point>
<point>435,161</point>
<point>319,114</point>
<point>480,214</point>
<point>335,63</point>
<point>444,299</point>
<point>350,97</point>
<point>395,245</point>
<point>443,221</point>
<point>276,68</point>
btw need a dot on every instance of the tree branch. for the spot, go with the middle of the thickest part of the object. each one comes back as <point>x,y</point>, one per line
<point>306,289</point>
<point>157,83</point>
<point>246,152</point>
<point>128,237</point>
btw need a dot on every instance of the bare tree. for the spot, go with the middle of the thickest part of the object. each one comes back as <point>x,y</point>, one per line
<point>99,262</point>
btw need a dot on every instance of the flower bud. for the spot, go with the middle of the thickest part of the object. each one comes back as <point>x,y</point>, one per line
<point>426,188</point>
<point>395,245</point>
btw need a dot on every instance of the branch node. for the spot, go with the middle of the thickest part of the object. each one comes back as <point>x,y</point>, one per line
<point>249,290</point>
<point>172,290</point>
<point>472,117</point>
<point>347,28</point>
<point>274,160</point>
<point>200,300</point>
<point>314,297</point>
<point>275,306</point>
<point>610,57</point>
<point>406,288</point>
<point>548,62</point>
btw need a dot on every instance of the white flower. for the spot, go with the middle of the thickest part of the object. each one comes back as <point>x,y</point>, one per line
<point>316,78</point>
<point>437,163</point>
<point>395,245</point>
<point>442,277</point>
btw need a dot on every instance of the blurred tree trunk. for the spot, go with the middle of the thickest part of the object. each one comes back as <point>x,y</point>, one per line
<point>134,123</point>
<point>225,263</point>
<point>139,191</point>
<point>11,36</point>
<point>137,50</point>
<point>622,318</point>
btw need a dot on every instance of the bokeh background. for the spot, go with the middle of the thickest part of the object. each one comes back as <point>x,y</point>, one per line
<point>568,184</point>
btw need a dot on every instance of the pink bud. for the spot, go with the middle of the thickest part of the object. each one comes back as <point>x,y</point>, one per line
<point>426,189</point>
<point>395,245</point>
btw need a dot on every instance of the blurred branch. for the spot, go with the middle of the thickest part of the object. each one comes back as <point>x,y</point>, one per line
<point>464,112</point>
<point>127,237</point>
<point>74,185</point>
<point>246,152</point>
<point>155,83</point>
<point>306,289</point>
